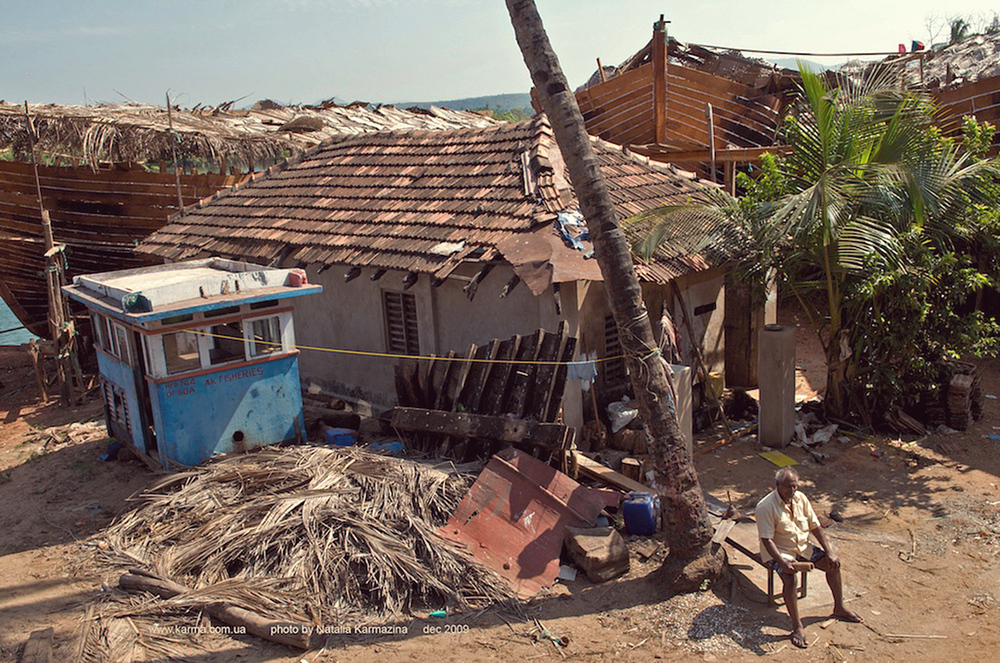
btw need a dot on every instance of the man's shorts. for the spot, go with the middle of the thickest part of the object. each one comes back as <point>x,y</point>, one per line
<point>815,555</point>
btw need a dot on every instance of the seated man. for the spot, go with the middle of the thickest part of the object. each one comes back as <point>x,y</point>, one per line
<point>785,518</point>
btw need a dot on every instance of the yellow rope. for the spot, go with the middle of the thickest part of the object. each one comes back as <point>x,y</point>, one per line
<point>387,355</point>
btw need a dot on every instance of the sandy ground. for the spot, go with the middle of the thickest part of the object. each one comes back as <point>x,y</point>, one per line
<point>920,540</point>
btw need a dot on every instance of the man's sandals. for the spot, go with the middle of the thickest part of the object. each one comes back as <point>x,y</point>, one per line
<point>848,616</point>
<point>799,639</point>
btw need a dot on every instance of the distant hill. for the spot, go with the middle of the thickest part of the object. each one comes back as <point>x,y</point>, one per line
<point>495,101</point>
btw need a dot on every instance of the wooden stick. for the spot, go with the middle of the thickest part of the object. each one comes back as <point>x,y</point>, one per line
<point>921,637</point>
<point>173,153</point>
<point>726,440</point>
<point>709,389</point>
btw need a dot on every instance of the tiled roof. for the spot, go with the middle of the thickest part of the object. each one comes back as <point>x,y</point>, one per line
<point>419,201</point>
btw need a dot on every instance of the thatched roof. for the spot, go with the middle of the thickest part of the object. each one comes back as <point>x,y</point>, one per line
<point>267,133</point>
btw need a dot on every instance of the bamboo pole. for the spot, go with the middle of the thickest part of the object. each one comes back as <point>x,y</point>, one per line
<point>173,153</point>
<point>57,313</point>
<point>711,136</point>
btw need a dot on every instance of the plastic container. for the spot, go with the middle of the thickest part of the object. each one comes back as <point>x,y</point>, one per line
<point>640,514</point>
<point>392,448</point>
<point>341,437</point>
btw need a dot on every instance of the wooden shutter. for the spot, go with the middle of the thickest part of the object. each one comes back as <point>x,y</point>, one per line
<point>614,370</point>
<point>401,323</point>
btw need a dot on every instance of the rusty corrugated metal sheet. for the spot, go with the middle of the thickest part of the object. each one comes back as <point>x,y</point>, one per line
<point>513,518</point>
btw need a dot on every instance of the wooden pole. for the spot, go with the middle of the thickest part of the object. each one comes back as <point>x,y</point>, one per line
<point>660,80</point>
<point>600,71</point>
<point>711,136</point>
<point>173,153</point>
<point>57,314</point>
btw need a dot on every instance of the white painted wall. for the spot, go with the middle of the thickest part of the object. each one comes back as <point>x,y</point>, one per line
<point>350,316</point>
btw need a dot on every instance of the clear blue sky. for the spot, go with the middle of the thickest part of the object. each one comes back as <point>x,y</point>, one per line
<point>209,51</point>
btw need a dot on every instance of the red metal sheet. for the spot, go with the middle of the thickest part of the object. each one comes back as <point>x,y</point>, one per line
<point>513,518</point>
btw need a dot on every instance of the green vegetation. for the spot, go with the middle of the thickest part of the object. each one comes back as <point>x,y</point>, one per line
<point>884,231</point>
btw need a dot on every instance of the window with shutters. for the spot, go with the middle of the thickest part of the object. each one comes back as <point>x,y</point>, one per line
<point>615,371</point>
<point>401,323</point>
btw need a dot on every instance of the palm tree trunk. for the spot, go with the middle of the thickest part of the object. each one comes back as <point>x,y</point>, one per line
<point>685,522</point>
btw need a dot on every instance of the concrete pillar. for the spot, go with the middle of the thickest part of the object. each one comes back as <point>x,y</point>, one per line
<point>682,383</point>
<point>776,363</point>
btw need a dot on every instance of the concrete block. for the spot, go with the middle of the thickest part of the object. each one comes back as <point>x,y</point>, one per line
<point>600,551</point>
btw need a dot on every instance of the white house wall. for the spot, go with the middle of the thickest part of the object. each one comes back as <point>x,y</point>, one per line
<point>696,290</point>
<point>350,316</point>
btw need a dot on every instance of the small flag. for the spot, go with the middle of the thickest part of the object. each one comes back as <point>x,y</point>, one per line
<point>917,45</point>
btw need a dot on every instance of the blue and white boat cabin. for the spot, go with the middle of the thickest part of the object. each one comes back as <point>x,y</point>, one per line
<point>197,358</point>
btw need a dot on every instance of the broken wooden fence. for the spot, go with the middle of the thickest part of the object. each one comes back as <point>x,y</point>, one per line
<point>504,392</point>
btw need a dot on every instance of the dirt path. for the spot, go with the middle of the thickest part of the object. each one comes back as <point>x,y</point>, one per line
<point>920,539</point>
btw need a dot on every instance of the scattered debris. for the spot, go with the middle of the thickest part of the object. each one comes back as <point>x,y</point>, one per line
<point>567,573</point>
<point>38,648</point>
<point>778,458</point>
<point>648,548</point>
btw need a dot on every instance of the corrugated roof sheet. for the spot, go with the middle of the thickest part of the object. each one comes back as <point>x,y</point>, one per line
<point>389,200</point>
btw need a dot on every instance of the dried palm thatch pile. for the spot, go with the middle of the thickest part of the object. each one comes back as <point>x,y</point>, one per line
<point>306,534</point>
<point>264,134</point>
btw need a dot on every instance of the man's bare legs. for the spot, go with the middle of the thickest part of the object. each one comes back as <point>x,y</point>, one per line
<point>790,591</point>
<point>833,578</point>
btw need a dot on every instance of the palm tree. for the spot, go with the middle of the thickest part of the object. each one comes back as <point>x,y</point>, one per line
<point>686,523</point>
<point>866,167</point>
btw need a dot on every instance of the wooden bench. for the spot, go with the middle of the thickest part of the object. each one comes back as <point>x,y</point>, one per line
<point>732,531</point>
<point>755,556</point>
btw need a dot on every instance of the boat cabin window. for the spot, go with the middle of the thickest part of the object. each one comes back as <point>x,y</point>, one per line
<point>267,303</point>
<point>110,339</point>
<point>265,336</point>
<point>226,343</point>
<point>219,312</point>
<point>181,352</point>
<point>121,343</point>
<point>100,333</point>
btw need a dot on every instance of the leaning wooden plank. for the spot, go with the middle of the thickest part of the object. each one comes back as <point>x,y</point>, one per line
<point>469,425</point>
<point>406,378</point>
<point>538,392</point>
<point>457,378</point>
<point>496,383</point>
<point>608,476</point>
<point>38,648</point>
<point>521,376</point>
<point>441,400</point>
<point>559,380</point>
<point>473,391</point>
<point>289,633</point>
